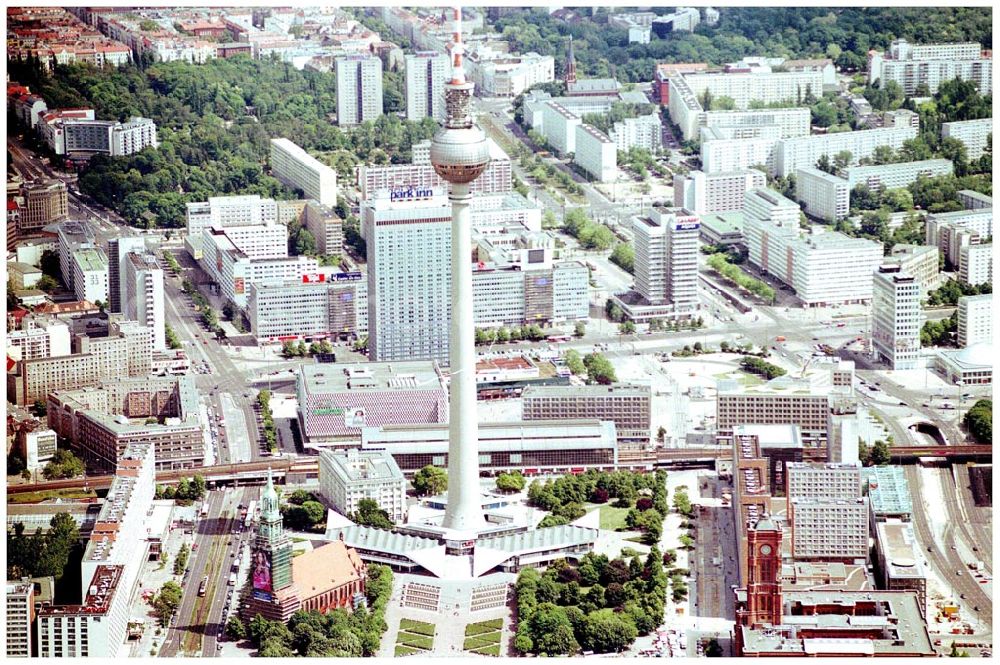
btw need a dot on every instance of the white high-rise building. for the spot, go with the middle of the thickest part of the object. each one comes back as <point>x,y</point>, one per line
<point>704,193</point>
<point>808,480</point>
<point>373,180</point>
<point>824,195</point>
<point>975,320</point>
<point>832,268</point>
<point>972,133</point>
<point>763,85</point>
<point>823,268</point>
<point>90,275</point>
<point>767,205</point>
<point>20,615</point>
<point>793,121</point>
<point>409,272</point>
<point>643,132</point>
<point>40,337</point>
<point>683,19</point>
<point>804,151</point>
<point>238,256</point>
<point>142,295</point>
<point>348,476</point>
<point>426,72</point>
<point>930,65</point>
<point>559,125</point>
<point>498,73</point>
<point>596,153</point>
<point>897,318</point>
<point>359,89</point>
<point>296,168</point>
<point>921,261</point>
<point>37,447</point>
<point>828,514</point>
<point>894,176</point>
<point>975,264</point>
<point>666,257</point>
<point>222,211</point>
<point>335,305</point>
<point>72,236</point>
<point>722,153</point>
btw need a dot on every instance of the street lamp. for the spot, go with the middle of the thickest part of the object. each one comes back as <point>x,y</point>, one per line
<point>961,385</point>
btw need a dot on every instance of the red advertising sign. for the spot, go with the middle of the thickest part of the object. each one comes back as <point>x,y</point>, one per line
<point>313,278</point>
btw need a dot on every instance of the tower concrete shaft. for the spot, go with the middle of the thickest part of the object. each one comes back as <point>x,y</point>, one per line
<point>459,154</point>
<point>464,511</point>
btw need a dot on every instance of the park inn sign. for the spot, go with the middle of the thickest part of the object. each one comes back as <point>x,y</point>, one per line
<point>411,193</point>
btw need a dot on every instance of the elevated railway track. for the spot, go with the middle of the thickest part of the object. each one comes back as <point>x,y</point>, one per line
<point>308,467</point>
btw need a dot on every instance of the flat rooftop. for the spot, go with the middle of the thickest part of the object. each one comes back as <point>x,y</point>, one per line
<point>97,602</point>
<point>824,576</point>
<point>772,436</point>
<point>613,390</point>
<point>355,465</point>
<point>370,377</point>
<point>503,364</point>
<point>90,259</point>
<point>900,549</point>
<point>903,634</point>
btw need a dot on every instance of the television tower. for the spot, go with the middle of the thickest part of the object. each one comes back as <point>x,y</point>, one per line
<point>459,155</point>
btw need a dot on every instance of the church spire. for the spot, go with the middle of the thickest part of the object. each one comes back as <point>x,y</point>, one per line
<point>570,76</point>
<point>269,509</point>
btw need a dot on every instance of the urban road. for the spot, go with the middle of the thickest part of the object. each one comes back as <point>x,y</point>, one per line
<point>945,560</point>
<point>199,621</point>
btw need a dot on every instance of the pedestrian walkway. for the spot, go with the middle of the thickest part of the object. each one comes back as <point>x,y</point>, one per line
<point>451,612</point>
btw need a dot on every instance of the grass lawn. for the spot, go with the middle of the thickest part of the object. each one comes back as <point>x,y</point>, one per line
<point>418,627</point>
<point>743,378</point>
<point>613,519</point>
<point>491,650</point>
<point>480,641</point>
<point>414,640</point>
<point>35,497</point>
<point>405,651</point>
<point>482,627</point>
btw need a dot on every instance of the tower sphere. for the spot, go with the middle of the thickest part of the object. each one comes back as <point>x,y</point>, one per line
<point>460,155</point>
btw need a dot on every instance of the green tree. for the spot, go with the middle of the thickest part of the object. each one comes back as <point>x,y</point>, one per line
<point>880,455</point>
<point>613,310</point>
<point>180,562</point>
<point>623,255</point>
<point>979,421</point>
<point>599,369</point>
<point>235,628</point>
<point>430,480</point>
<point>605,631</point>
<point>166,602</point>
<point>761,367</point>
<point>574,363</point>
<point>64,464</point>
<point>510,482</point>
<point>15,464</point>
<point>579,329</point>
<point>713,649</point>
<point>369,513</point>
